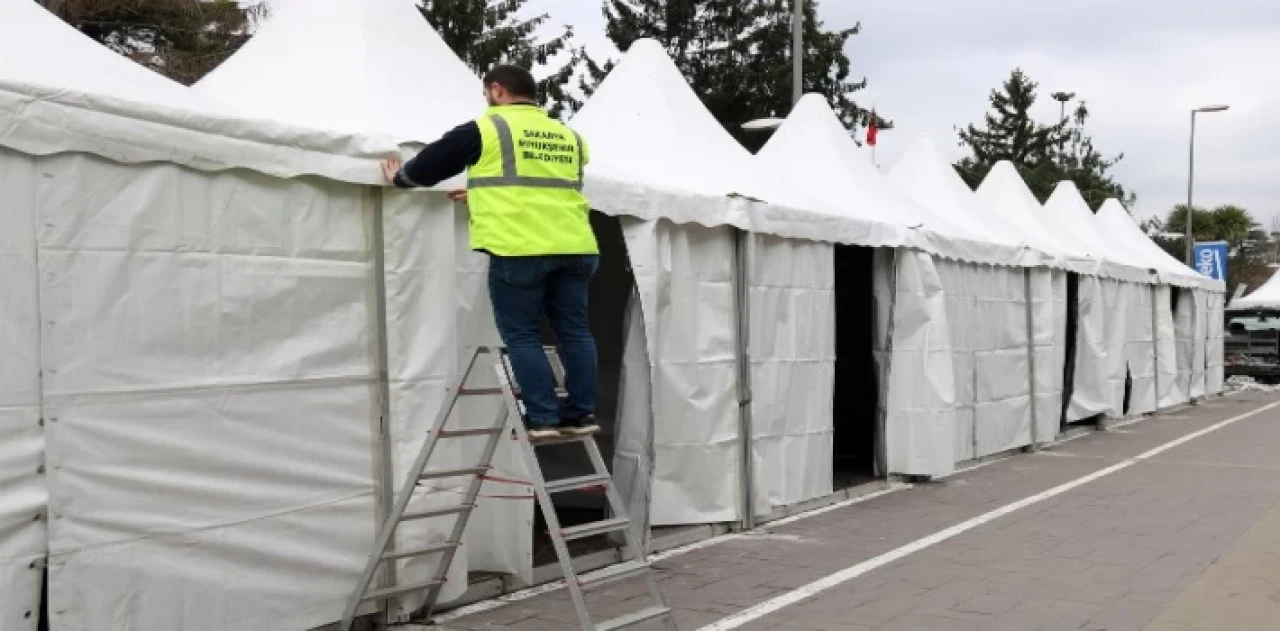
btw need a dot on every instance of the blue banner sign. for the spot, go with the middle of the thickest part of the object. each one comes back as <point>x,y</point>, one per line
<point>1211,259</point>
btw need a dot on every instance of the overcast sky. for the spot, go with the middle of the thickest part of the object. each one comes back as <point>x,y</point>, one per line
<point>1141,65</point>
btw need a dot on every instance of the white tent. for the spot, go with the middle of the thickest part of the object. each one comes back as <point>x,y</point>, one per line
<point>1006,194</point>
<point>200,359</point>
<point>1177,307</point>
<point>986,313</point>
<point>378,67</point>
<point>1266,296</point>
<point>686,448</point>
<point>1116,336</point>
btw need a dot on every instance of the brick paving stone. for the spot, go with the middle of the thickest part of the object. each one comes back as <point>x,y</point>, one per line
<point>1105,556</point>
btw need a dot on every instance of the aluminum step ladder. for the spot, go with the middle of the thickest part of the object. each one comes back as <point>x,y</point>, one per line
<point>508,426</point>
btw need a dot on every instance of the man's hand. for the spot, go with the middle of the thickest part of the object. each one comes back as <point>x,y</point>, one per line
<point>390,167</point>
<point>459,195</point>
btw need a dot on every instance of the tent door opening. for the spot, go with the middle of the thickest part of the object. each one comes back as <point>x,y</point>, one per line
<point>856,399</point>
<point>1069,366</point>
<point>607,304</point>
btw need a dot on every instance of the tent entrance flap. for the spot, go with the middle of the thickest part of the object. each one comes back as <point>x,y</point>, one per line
<point>610,292</point>
<point>1073,323</point>
<point>856,395</point>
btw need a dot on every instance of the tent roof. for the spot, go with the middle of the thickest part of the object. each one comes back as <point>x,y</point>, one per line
<point>930,179</point>
<point>367,66</point>
<point>1004,192</point>
<point>646,126</point>
<point>38,48</point>
<point>1266,296</point>
<point>1067,215</point>
<point>62,92</point>
<point>813,149</point>
<point>1117,223</point>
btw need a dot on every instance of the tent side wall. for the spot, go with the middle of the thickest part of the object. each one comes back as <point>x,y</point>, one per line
<point>914,364</point>
<point>987,314</point>
<point>1139,352</point>
<point>1199,356</point>
<point>1184,335</point>
<point>1215,361</point>
<point>792,350</point>
<point>208,365</point>
<point>1049,322</point>
<point>23,491</point>
<point>1091,392</point>
<point>684,275</point>
<point>1167,374</point>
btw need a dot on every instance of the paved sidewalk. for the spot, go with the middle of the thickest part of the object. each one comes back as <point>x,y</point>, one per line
<point>1188,538</point>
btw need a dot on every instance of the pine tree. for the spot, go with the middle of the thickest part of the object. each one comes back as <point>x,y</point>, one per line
<point>1009,133</point>
<point>181,39</point>
<point>736,54</point>
<point>1043,154</point>
<point>485,33</point>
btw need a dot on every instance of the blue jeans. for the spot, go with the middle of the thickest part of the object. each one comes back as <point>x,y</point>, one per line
<point>524,289</point>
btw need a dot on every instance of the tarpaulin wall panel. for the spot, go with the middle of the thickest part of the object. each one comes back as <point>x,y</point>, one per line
<point>1199,357</point>
<point>500,533</point>
<point>206,358</point>
<point>23,493</point>
<point>1215,364</point>
<point>684,274</point>
<point>1184,324</point>
<point>1049,320</point>
<point>792,349</point>
<point>421,250</point>
<point>986,310</point>
<point>914,364</point>
<point>1092,391</point>
<point>1169,394</point>
<point>1139,352</point>
<point>633,451</point>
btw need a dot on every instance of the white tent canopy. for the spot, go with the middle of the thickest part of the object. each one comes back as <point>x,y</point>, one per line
<point>813,150</point>
<point>1069,217</point>
<point>709,180</point>
<point>928,178</point>
<point>1116,222</point>
<point>372,66</point>
<point>1266,296</point>
<point>1004,192</point>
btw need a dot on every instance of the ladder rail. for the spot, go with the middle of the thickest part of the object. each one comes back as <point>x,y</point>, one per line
<point>388,529</point>
<point>544,501</point>
<point>510,413</point>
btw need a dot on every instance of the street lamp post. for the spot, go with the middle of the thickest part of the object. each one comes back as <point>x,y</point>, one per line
<point>1062,98</point>
<point>1191,179</point>
<point>797,51</point>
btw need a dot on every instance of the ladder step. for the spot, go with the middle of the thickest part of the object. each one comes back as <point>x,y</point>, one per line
<point>613,573</point>
<point>562,439</point>
<point>577,484</point>
<point>452,473</point>
<point>452,510</point>
<point>477,392</point>
<point>595,528</point>
<point>462,433</point>
<point>632,619</point>
<point>389,592</point>
<point>418,552</point>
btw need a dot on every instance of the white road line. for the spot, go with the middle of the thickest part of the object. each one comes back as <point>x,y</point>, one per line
<point>525,594</point>
<point>812,589</point>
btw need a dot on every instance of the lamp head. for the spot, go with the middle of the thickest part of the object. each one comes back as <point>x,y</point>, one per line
<point>1213,108</point>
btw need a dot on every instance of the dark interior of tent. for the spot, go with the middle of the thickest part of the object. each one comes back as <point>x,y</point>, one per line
<point>610,290</point>
<point>1073,324</point>
<point>856,397</point>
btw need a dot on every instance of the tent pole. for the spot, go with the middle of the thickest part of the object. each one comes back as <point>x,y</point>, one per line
<point>1155,338</point>
<point>742,333</point>
<point>384,485</point>
<point>1031,360</point>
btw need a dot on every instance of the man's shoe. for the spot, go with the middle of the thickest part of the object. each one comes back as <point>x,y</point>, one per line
<point>543,432</point>
<point>581,427</point>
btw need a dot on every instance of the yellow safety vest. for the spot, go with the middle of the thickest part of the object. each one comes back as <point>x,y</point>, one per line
<point>525,191</point>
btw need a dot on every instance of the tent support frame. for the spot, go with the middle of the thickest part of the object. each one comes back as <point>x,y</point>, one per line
<point>742,353</point>
<point>384,491</point>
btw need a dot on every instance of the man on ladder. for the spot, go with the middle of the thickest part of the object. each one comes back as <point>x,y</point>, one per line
<point>528,213</point>
<point>524,188</point>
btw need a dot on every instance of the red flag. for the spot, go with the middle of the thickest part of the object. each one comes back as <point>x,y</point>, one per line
<point>872,130</point>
